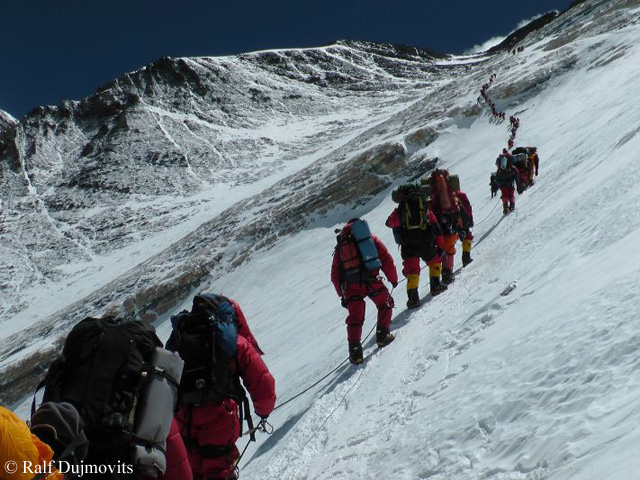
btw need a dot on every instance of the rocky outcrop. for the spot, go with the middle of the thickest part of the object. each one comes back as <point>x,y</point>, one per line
<point>516,37</point>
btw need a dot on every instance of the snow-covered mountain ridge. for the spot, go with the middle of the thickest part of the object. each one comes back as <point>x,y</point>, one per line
<point>6,121</point>
<point>539,384</point>
<point>96,192</point>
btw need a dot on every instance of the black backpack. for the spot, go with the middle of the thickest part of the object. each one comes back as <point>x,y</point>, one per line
<point>102,371</point>
<point>205,338</point>
<point>412,210</point>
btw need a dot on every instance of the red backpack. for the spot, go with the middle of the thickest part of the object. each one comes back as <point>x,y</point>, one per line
<point>442,197</point>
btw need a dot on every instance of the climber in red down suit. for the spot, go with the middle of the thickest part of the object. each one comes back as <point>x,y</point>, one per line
<point>353,292</point>
<point>210,431</point>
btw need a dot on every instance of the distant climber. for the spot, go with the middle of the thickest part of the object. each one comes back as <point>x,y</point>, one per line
<point>446,208</point>
<point>534,161</point>
<point>506,177</point>
<point>357,260</point>
<point>466,218</point>
<point>416,230</point>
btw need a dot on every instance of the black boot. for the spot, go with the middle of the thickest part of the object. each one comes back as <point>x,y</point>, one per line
<point>355,353</point>
<point>384,337</point>
<point>447,276</point>
<point>466,258</point>
<point>505,208</point>
<point>413,300</point>
<point>436,286</point>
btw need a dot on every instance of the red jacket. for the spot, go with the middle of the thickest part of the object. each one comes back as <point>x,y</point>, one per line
<point>388,266</point>
<point>465,204</point>
<point>243,327</point>
<point>217,423</point>
<point>256,377</point>
<point>178,467</point>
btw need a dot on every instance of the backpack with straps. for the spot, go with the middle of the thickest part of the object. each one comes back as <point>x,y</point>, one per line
<point>123,384</point>
<point>206,339</point>
<point>357,252</point>
<point>442,196</point>
<point>413,209</point>
<point>412,213</point>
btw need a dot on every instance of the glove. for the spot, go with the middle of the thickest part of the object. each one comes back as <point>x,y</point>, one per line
<point>394,284</point>
<point>471,223</point>
<point>462,234</point>
<point>343,302</point>
<point>391,302</point>
<point>440,252</point>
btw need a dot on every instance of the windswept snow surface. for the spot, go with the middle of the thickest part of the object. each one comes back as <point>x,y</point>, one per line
<point>543,383</point>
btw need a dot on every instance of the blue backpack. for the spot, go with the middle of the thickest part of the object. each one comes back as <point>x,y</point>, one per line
<point>362,235</point>
<point>358,254</point>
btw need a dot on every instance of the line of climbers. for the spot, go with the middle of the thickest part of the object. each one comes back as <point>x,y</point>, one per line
<point>485,96</point>
<point>116,404</point>
<point>514,122</point>
<point>514,171</point>
<point>427,223</point>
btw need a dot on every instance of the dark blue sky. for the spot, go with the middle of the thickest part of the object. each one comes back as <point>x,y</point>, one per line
<point>56,50</point>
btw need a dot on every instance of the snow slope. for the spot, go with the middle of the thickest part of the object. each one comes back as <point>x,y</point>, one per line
<point>540,384</point>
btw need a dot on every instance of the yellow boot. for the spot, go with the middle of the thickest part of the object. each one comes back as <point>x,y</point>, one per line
<point>466,253</point>
<point>413,298</point>
<point>437,287</point>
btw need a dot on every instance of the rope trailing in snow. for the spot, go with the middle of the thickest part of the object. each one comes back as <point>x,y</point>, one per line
<point>487,217</point>
<point>332,371</point>
<point>336,408</point>
<point>263,426</point>
<point>313,385</point>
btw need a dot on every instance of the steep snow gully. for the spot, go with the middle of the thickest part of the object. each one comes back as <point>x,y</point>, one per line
<point>540,383</point>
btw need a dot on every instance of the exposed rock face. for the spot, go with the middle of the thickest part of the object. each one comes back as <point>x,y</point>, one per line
<point>516,37</point>
<point>177,173</point>
<point>6,121</point>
